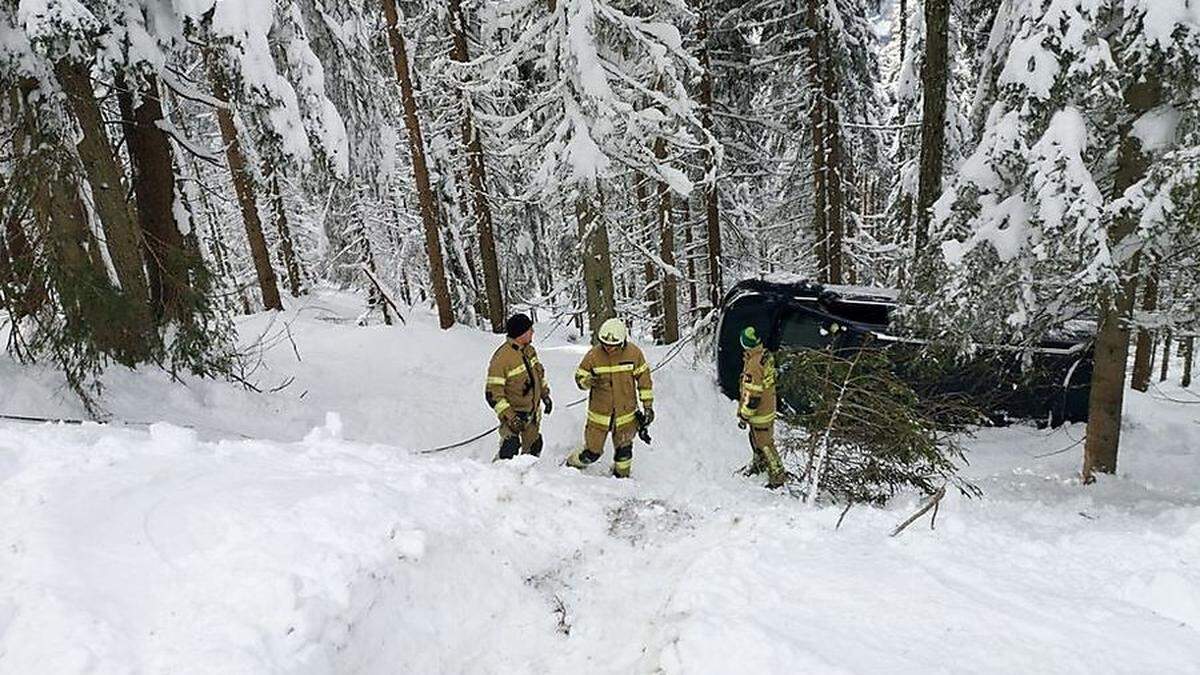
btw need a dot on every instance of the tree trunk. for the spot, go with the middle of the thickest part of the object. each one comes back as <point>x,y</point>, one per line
<point>542,269</point>
<point>106,179</point>
<point>689,253</point>
<point>716,289</point>
<point>669,289</point>
<point>217,248</point>
<point>290,262</point>
<point>818,120</point>
<point>416,146</point>
<point>75,270</point>
<point>167,265</point>
<point>836,199</point>
<point>477,173</point>
<point>597,265</point>
<point>1115,306</point>
<point>1143,355</point>
<point>243,186</point>
<point>934,75</point>
<point>650,289</point>
<point>375,293</point>
<point>1165,369</point>
<point>27,291</point>
<point>1189,350</point>
<point>827,160</point>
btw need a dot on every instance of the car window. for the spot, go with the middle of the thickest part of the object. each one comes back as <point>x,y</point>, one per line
<point>800,329</point>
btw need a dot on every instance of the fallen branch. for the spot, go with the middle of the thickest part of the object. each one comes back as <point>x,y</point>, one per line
<point>386,298</point>
<point>59,420</point>
<point>560,608</point>
<point>933,501</point>
<point>843,516</point>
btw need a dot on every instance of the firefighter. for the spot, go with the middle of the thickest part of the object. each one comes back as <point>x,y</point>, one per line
<point>756,407</point>
<point>516,384</point>
<point>618,377</point>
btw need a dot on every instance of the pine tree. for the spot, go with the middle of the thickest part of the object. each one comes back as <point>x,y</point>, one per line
<point>416,144</point>
<point>1030,236</point>
<point>244,187</point>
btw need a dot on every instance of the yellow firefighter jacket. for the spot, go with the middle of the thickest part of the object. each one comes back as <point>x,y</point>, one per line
<point>758,387</point>
<point>618,381</point>
<point>516,380</point>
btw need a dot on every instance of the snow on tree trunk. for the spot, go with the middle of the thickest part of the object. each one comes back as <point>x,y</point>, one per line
<point>646,238</point>
<point>669,290</point>
<point>416,145</point>
<point>597,264</point>
<point>712,231</point>
<point>243,187</point>
<point>834,167</point>
<point>689,253</point>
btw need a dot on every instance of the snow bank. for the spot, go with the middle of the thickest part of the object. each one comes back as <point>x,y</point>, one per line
<point>324,543</point>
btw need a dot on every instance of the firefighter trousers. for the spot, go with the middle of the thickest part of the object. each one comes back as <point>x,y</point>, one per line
<point>594,437</point>
<point>762,443</point>
<point>528,441</point>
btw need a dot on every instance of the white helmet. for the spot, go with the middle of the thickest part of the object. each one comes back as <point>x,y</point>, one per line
<point>613,332</point>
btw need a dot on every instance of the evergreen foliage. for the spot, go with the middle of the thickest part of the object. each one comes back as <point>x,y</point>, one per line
<point>864,431</point>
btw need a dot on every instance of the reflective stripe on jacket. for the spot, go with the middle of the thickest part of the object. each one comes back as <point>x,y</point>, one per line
<point>757,401</point>
<point>618,382</point>
<point>515,379</point>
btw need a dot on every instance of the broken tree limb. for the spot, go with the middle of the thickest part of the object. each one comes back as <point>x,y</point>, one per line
<point>843,516</point>
<point>382,293</point>
<point>933,501</point>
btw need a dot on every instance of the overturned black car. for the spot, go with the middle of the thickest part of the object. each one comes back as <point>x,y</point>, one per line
<point>788,314</point>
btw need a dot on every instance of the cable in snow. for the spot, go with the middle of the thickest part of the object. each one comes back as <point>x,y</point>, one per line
<point>675,351</point>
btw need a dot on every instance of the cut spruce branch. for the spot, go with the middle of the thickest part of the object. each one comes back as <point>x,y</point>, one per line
<point>930,503</point>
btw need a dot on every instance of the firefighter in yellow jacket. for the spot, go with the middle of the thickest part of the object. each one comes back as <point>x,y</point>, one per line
<point>516,385</point>
<point>618,377</point>
<point>756,407</point>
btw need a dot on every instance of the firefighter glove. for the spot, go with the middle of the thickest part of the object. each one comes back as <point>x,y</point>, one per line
<point>547,405</point>
<point>515,422</point>
<point>647,416</point>
<point>741,423</point>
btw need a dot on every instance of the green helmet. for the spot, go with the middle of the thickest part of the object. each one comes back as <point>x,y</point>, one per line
<point>749,338</point>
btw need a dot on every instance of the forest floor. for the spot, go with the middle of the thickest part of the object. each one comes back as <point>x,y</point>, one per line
<point>300,531</point>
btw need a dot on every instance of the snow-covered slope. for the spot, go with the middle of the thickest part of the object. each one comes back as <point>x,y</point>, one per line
<point>299,531</point>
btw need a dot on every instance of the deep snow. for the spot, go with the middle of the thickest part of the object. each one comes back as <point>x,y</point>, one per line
<point>297,531</point>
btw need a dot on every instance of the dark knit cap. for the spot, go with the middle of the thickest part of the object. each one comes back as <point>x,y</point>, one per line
<point>517,324</point>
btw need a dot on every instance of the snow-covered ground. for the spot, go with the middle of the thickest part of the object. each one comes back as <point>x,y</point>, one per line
<point>300,531</point>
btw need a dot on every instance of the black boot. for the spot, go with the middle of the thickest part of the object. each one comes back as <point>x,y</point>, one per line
<point>622,461</point>
<point>758,464</point>
<point>535,448</point>
<point>581,458</point>
<point>509,447</point>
